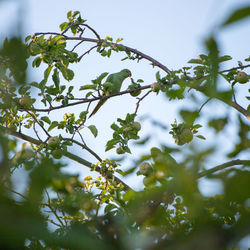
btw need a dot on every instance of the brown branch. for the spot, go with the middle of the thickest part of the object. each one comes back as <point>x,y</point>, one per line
<point>236,106</point>
<point>99,42</point>
<point>87,52</point>
<point>140,99</point>
<point>53,210</point>
<point>223,166</point>
<point>84,147</point>
<point>90,28</point>
<point>65,153</point>
<point>86,100</point>
<point>228,102</point>
<point>239,67</point>
<point>239,108</point>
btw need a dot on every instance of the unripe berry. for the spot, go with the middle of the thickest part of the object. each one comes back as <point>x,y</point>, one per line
<point>242,77</point>
<point>53,142</point>
<point>146,169</point>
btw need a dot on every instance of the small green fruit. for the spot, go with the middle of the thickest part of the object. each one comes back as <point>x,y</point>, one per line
<point>136,125</point>
<point>26,101</point>
<point>27,154</point>
<point>127,129</point>
<point>155,151</point>
<point>242,77</point>
<point>53,142</point>
<point>146,169</point>
<point>155,87</point>
<point>185,136</point>
<point>17,159</point>
<point>134,86</point>
<point>57,153</point>
<point>120,151</point>
<point>149,181</point>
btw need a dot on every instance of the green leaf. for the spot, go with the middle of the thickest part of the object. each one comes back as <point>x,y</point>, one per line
<point>68,74</point>
<point>83,115</point>
<point>218,124</point>
<point>55,39</point>
<point>109,208</point>
<point>196,61</point>
<point>140,80</point>
<point>69,14</point>
<point>248,109</point>
<point>213,63</point>
<point>89,86</point>
<point>27,38</point>
<point>189,116</point>
<point>46,119</point>
<point>99,79</point>
<point>70,89</point>
<point>93,130</point>
<point>157,76</point>
<point>111,144</point>
<point>55,77</point>
<point>247,59</point>
<point>35,84</point>
<point>237,16</point>
<point>115,127</point>
<point>196,126</point>
<point>88,94</point>
<point>63,26</point>
<point>201,137</point>
<point>224,58</point>
<point>47,72</point>
<point>36,63</point>
<point>53,125</point>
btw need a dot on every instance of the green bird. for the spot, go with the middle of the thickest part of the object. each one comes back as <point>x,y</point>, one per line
<point>112,85</point>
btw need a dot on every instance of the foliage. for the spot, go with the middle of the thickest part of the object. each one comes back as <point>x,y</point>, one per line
<point>59,210</point>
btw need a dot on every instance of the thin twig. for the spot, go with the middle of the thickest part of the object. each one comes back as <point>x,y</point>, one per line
<point>137,52</point>
<point>87,52</point>
<point>65,153</point>
<point>15,192</point>
<point>52,209</point>
<point>84,147</point>
<point>90,28</point>
<point>76,45</point>
<point>239,67</point>
<point>140,99</point>
<point>223,166</point>
<point>65,221</point>
<point>86,100</point>
<point>209,99</point>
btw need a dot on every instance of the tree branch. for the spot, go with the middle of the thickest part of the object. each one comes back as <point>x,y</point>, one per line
<point>84,147</point>
<point>223,166</point>
<point>239,67</point>
<point>92,40</point>
<point>86,100</point>
<point>65,153</point>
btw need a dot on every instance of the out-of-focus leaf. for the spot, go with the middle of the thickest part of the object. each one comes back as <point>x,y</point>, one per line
<point>237,16</point>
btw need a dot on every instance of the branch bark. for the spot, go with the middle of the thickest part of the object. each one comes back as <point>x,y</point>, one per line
<point>223,166</point>
<point>65,153</point>
<point>92,40</point>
